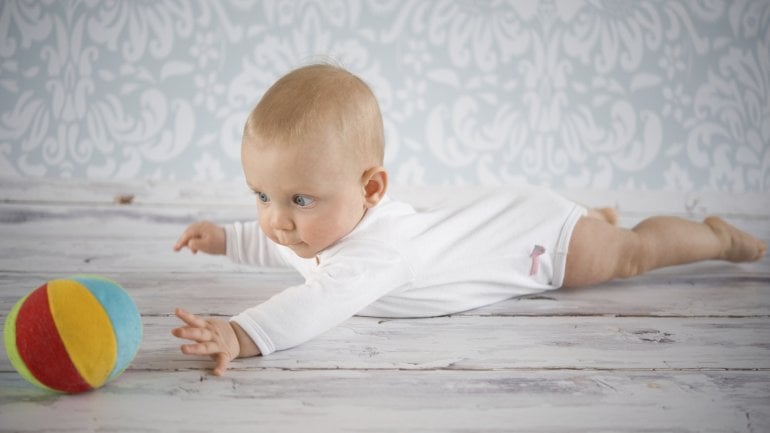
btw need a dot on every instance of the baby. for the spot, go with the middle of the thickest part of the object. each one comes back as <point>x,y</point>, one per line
<point>312,152</point>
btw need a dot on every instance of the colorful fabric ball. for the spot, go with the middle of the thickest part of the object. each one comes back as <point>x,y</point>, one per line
<point>74,334</point>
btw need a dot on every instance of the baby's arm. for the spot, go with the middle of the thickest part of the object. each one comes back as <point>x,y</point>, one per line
<point>203,236</point>
<point>218,338</point>
<point>243,243</point>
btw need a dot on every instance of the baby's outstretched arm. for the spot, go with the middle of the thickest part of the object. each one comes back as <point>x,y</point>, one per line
<point>203,236</point>
<point>223,341</point>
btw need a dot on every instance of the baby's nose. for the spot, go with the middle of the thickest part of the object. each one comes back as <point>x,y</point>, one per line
<point>281,220</point>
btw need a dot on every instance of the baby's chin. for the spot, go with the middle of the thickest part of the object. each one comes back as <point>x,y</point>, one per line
<point>304,251</point>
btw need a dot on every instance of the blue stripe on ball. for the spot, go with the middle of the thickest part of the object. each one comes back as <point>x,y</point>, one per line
<point>123,314</point>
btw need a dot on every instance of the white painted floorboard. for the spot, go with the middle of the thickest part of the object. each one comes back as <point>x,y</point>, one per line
<point>679,350</point>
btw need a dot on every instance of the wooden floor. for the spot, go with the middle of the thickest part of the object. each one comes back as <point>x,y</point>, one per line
<point>679,350</point>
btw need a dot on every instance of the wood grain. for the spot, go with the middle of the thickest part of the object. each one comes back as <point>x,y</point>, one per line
<point>400,401</point>
<point>683,349</point>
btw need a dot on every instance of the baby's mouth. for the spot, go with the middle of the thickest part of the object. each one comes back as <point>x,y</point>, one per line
<point>282,242</point>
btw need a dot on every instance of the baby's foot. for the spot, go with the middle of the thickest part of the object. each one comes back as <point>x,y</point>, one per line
<point>737,245</point>
<point>609,214</point>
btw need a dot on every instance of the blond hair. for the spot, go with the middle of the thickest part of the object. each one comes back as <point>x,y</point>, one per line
<point>319,101</point>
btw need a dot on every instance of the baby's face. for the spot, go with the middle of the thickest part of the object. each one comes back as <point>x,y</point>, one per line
<point>308,197</point>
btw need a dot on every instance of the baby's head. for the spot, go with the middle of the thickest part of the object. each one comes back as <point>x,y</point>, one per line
<point>320,105</point>
<point>313,151</point>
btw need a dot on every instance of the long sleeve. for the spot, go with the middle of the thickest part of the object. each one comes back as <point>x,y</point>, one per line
<point>343,284</point>
<point>246,243</point>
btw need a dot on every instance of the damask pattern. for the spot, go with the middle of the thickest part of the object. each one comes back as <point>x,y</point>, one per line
<point>661,95</point>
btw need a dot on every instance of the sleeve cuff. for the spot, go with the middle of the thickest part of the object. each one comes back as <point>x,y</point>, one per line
<point>231,241</point>
<point>255,332</point>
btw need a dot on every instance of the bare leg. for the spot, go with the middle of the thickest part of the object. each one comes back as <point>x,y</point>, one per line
<point>608,214</point>
<point>600,252</point>
<point>739,246</point>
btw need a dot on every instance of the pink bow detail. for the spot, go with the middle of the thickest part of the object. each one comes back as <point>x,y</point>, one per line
<point>535,256</point>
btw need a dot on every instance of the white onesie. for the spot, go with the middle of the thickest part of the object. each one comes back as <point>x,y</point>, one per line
<point>399,262</point>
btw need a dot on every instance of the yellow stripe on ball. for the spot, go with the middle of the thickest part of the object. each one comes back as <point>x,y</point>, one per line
<point>84,328</point>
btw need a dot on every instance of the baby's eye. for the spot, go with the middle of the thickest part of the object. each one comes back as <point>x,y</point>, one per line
<point>261,196</point>
<point>302,200</point>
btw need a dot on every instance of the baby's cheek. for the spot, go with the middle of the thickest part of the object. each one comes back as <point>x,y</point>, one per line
<point>267,230</point>
<point>321,237</point>
<point>323,234</point>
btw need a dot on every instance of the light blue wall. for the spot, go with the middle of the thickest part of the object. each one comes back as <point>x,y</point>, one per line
<point>661,95</point>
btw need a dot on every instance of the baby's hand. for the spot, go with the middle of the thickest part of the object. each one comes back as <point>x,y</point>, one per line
<point>213,337</point>
<point>203,236</point>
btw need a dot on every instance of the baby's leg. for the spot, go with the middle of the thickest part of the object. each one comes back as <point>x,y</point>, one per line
<point>608,214</point>
<point>600,251</point>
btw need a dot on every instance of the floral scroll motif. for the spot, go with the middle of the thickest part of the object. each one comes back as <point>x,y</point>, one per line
<point>589,93</point>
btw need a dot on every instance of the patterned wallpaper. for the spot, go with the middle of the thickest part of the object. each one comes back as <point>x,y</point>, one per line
<point>659,95</point>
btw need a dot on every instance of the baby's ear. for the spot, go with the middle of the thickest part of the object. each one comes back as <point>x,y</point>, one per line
<point>375,183</point>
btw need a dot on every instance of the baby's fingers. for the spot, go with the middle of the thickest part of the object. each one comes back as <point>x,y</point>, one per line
<point>191,333</point>
<point>204,348</point>
<point>190,318</point>
<point>184,240</point>
<point>194,231</point>
<point>222,364</point>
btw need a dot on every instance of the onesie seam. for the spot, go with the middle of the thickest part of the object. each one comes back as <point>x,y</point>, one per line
<point>562,244</point>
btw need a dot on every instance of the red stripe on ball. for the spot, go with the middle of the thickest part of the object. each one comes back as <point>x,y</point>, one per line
<point>41,348</point>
